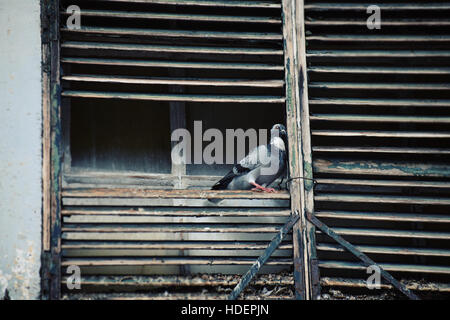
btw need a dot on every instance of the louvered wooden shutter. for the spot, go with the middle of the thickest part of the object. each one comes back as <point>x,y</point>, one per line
<point>379,103</point>
<point>165,52</point>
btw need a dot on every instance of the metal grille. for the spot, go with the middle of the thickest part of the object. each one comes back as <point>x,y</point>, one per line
<point>379,102</point>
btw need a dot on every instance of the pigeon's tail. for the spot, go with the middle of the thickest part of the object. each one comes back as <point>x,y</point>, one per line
<point>223,183</point>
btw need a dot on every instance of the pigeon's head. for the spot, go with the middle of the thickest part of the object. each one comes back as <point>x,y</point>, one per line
<point>278,130</point>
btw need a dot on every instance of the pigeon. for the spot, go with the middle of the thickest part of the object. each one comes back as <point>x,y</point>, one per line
<point>262,166</point>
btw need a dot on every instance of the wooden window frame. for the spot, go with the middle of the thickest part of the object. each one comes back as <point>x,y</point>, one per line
<point>56,160</point>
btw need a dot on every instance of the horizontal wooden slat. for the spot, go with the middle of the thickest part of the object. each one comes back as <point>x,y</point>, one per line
<point>182,227</point>
<point>380,118</point>
<point>358,283</point>
<point>176,17</point>
<point>387,266</point>
<point>381,168</point>
<point>167,261</point>
<point>178,213</point>
<point>149,282</point>
<point>391,233</point>
<point>388,250</point>
<point>383,199</point>
<point>171,245</point>
<point>382,134</point>
<point>176,81</point>
<point>210,3</point>
<point>378,53</point>
<point>386,23</point>
<point>386,183</point>
<point>168,48</point>
<point>173,64</point>
<point>172,97</point>
<point>318,6</point>
<point>386,86</point>
<point>380,70</point>
<point>384,216</point>
<point>175,33</point>
<point>378,38</point>
<point>172,194</point>
<point>382,150</point>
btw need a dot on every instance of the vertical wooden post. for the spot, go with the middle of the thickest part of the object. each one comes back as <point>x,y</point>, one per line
<point>52,153</point>
<point>306,274</point>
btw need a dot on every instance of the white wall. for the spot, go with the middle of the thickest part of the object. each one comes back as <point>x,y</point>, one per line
<point>20,148</point>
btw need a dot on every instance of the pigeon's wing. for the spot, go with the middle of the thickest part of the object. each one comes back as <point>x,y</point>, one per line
<point>247,164</point>
<point>256,158</point>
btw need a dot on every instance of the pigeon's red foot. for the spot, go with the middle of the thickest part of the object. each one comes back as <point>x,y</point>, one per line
<point>262,189</point>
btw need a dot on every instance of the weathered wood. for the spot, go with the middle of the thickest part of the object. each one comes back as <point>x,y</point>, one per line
<point>382,134</point>
<point>383,6</point>
<point>169,48</point>
<point>382,199</point>
<point>177,17</point>
<point>378,101</point>
<point>380,118</point>
<point>383,150</point>
<point>177,213</point>
<point>384,216</point>
<point>378,53</point>
<point>393,267</point>
<point>176,81</point>
<point>263,36</point>
<point>379,38</point>
<point>379,70</point>
<point>46,152</point>
<point>214,3</point>
<point>172,245</point>
<point>173,64</point>
<point>388,250</point>
<point>172,97</point>
<point>392,233</point>
<point>386,22</point>
<point>297,122</point>
<point>358,283</point>
<point>399,168</point>
<point>168,194</point>
<point>91,262</point>
<point>365,259</point>
<point>248,276</point>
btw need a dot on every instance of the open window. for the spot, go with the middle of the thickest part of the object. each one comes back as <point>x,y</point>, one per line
<point>137,70</point>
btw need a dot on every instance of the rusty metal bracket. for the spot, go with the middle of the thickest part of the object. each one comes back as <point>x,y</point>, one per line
<point>364,258</point>
<point>273,245</point>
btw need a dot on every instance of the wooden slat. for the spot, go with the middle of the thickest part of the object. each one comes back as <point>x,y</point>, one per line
<point>380,118</point>
<point>168,48</point>
<point>210,3</point>
<point>384,216</point>
<point>175,33</point>
<point>392,233</point>
<point>171,97</point>
<point>382,134</point>
<point>378,53</point>
<point>177,17</point>
<point>178,213</point>
<point>383,6</point>
<point>383,150</point>
<point>358,283</point>
<point>387,266</point>
<point>389,250</point>
<point>382,199</point>
<point>386,23</point>
<point>168,261</point>
<point>386,183</point>
<point>173,64</point>
<point>172,194</point>
<point>378,38</point>
<point>386,168</point>
<point>380,70</point>
<point>386,86</point>
<point>170,245</point>
<point>159,228</point>
<point>176,81</point>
